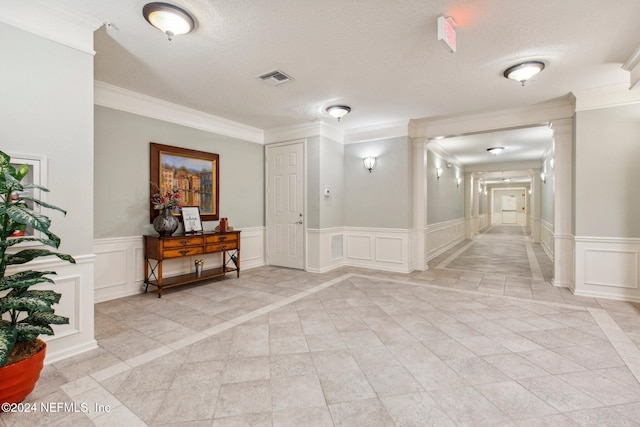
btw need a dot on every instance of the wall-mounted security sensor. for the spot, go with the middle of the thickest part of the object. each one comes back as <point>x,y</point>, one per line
<point>326,192</point>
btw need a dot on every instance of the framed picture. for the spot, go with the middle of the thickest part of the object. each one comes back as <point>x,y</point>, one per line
<point>194,173</point>
<point>36,176</point>
<point>191,219</point>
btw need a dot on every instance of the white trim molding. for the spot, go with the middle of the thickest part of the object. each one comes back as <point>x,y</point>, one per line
<point>302,131</point>
<point>51,22</point>
<point>442,236</point>
<point>608,267</point>
<point>375,132</point>
<point>119,266</point>
<point>110,96</point>
<point>386,249</point>
<point>606,96</point>
<point>546,237</point>
<point>75,283</point>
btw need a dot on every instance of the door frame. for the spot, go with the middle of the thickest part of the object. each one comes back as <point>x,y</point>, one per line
<point>304,197</point>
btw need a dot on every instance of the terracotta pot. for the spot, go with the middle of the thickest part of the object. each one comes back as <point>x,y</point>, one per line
<point>18,379</point>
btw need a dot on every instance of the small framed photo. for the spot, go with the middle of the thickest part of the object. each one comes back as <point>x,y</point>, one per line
<point>191,219</point>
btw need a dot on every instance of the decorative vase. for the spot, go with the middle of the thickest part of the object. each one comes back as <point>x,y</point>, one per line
<point>18,379</point>
<point>166,224</point>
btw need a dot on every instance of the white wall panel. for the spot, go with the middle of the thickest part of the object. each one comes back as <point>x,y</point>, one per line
<point>608,268</point>
<point>120,263</point>
<point>444,235</point>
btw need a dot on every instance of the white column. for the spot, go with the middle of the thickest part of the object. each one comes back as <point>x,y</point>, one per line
<point>469,183</point>
<point>563,252</point>
<point>419,242</point>
<point>535,206</point>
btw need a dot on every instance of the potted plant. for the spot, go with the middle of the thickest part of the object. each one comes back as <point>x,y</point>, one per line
<point>25,313</point>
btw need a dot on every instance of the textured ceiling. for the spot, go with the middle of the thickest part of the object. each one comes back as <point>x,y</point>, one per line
<point>381,57</point>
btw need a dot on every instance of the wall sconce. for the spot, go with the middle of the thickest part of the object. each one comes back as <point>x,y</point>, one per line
<point>458,181</point>
<point>438,173</point>
<point>369,162</point>
<point>168,18</point>
<point>543,177</point>
<point>551,163</point>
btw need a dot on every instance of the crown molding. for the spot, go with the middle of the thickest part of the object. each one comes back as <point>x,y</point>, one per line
<point>462,124</point>
<point>606,97</point>
<point>303,130</point>
<point>632,65</point>
<point>379,131</point>
<point>110,96</point>
<point>436,148</point>
<point>51,22</point>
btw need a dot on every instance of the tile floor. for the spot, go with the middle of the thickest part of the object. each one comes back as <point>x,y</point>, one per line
<point>473,341</point>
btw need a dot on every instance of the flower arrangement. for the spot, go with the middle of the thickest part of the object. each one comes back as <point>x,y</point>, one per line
<point>170,199</point>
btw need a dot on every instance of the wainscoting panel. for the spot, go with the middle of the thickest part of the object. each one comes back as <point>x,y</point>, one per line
<point>380,248</point>
<point>75,283</point>
<point>119,265</point>
<point>608,268</point>
<point>444,235</point>
<point>377,248</point>
<point>360,247</point>
<point>546,238</point>
<point>325,249</point>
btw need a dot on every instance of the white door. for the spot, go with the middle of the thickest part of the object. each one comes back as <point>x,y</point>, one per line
<point>509,210</point>
<point>285,202</point>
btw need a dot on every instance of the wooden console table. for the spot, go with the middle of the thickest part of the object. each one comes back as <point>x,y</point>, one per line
<point>163,248</point>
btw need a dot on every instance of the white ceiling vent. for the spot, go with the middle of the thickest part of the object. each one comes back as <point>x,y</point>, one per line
<point>275,78</point>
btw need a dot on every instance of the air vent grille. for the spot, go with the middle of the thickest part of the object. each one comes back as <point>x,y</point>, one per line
<point>275,78</point>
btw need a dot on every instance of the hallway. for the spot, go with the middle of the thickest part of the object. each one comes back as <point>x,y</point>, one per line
<point>473,340</point>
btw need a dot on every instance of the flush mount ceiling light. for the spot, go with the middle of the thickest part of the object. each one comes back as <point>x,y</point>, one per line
<point>168,18</point>
<point>524,71</point>
<point>338,111</point>
<point>495,150</point>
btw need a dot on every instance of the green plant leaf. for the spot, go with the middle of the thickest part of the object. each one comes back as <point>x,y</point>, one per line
<point>23,215</point>
<point>41,203</point>
<point>28,332</point>
<point>12,184</point>
<point>16,240</point>
<point>35,186</point>
<point>8,337</point>
<point>24,303</point>
<point>24,279</point>
<point>46,318</point>
<point>46,295</point>
<point>30,254</point>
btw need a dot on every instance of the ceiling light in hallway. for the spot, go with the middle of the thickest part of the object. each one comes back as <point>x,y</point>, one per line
<point>524,71</point>
<point>338,111</point>
<point>495,150</point>
<point>168,18</point>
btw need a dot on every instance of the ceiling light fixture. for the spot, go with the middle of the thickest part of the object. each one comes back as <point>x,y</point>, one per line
<point>495,150</point>
<point>524,71</point>
<point>168,18</point>
<point>338,111</point>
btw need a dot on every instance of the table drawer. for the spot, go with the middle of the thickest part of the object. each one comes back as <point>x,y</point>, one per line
<point>182,242</point>
<point>220,238</point>
<point>225,246</point>
<point>186,251</point>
